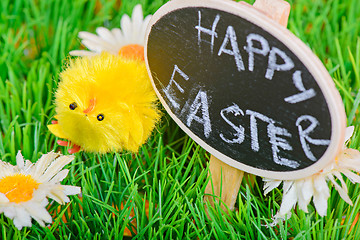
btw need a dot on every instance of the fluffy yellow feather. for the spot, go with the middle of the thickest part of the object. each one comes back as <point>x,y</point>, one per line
<point>105,103</point>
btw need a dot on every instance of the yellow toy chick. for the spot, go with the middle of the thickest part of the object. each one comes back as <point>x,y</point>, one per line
<point>105,103</point>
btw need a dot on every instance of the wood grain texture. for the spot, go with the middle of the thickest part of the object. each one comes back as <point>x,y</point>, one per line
<point>224,184</point>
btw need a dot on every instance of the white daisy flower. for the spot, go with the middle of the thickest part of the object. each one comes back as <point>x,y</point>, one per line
<point>24,188</point>
<point>315,187</point>
<point>131,35</point>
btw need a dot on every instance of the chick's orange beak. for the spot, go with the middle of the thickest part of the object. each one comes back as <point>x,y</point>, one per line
<point>91,106</point>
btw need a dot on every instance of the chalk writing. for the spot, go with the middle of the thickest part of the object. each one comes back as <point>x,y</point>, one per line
<point>254,129</point>
<point>264,50</point>
<point>210,32</point>
<point>304,135</point>
<point>231,36</point>
<point>239,129</point>
<point>277,142</point>
<point>305,93</point>
<point>274,134</point>
<point>273,64</point>
<point>277,60</point>
<point>239,89</point>
<point>169,92</point>
<point>200,103</point>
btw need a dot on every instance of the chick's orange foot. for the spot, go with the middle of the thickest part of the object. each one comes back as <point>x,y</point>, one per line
<point>75,148</point>
<point>57,131</point>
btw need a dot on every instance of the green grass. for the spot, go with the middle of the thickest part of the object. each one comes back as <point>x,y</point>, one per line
<point>170,171</point>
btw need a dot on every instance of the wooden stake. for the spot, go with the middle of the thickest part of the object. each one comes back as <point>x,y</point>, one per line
<point>225,180</point>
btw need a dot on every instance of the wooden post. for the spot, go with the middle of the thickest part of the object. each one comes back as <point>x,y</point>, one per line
<point>225,183</point>
<point>225,180</point>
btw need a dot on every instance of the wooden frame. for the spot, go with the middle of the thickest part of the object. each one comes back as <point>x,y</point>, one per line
<point>311,62</point>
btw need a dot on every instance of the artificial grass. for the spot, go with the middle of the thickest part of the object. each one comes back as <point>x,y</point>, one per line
<point>169,174</point>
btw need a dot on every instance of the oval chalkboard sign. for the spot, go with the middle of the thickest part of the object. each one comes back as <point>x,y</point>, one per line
<point>244,88</point>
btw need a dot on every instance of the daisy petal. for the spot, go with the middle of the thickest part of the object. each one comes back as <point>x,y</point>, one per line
<point>39,212</point>
<point>20,162</point>
<point>346,163</point>
<point>9,211</point>
<point>302,201</point>
<point>3,198</point>
<point>60,176</point>
<point>145,24</point>
<point>320,202</point>
<point>307,189</point>
<point>320,184</point>
<point>348,133</point>
<point>22,219</point>
<point>81,53</point>
<point>132,31</point>
<point>354,178</point>
<point>321,195</point>
<point>137,20</point>
<point>39,221</point>
<point>71,190</point>
<point>55,167</point>
<point>34,181</point>
<point>93,46</point>
<point>57,196</point>
<point>89,36</point>
<point>106,34</point>
<point>270,185</point>
<point>42,164</point>
<point>287,186</point>
<point>342,190</point>
<point>28,166</point>
<point>118,35</point>
<point>289,200</point>
<point>126,27</point>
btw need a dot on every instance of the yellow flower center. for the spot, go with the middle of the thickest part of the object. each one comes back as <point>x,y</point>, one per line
<point>132,51</point>
<point>18,187</point>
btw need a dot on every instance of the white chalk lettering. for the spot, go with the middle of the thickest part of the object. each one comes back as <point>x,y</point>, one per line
<point>200,102</point>
<point>277,142</point>
<point>252,50</point>
<point>305,138</point>
<point>304,94</point>
<point>273,64</point>
<point>239,129</point>
<point>254,129</point>
<point>169,92</point>
<point>231,36</point>
<point>210,32</point>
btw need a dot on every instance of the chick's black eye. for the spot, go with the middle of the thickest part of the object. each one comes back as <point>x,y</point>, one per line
<point>73,106</point>
<point>100,117</point>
